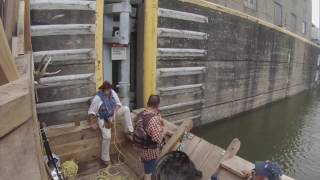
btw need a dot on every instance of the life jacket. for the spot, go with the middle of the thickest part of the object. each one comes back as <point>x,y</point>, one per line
<point>107,107</point>
<point>140,136</point>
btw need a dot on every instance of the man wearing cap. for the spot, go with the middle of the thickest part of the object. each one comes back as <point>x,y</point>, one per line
<point>101,112</point>
<point>264,170</point>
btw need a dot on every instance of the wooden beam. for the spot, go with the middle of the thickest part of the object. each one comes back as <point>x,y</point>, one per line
<point>99,42</point>
<point>186,126</point>
<point>164,53</point>
<point>65,55</point>
<point>186,16</point>
<point>181,71</point>
<point>10,18</point>
<point>62,29</point>
<point>27,26</point>
<point>63,5</point>
<point>53,106</point>
<point>150,49</point>
<point>178,33</point>
<point>8,71</point>
<point>23,63</point>
<point>15,105</point>
<point>20,28</point>
<point>70,77</point>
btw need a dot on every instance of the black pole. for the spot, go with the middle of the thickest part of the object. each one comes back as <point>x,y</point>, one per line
<point>48,151</point>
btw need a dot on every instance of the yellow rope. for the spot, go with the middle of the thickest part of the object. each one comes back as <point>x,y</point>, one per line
<point>69,170</point>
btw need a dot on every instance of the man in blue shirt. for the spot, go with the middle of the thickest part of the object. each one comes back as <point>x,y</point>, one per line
<point>101,112</point>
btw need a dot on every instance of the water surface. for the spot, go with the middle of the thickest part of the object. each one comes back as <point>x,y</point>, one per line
<point>287,131</point>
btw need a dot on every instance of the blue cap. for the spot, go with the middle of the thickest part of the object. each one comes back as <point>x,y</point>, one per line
<point>268,169</point>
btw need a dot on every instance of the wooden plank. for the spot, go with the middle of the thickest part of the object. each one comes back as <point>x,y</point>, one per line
<point>23,63</point>
<point>62,29</point>
<point>65,55</point>
<point>99,42</point>
<point>75,136</point>
<point>132,158</point>
<point>15,105</point>
<point>54,106</point>
<point>167,53</point>
<point>83,150</point>
<point>181,71</point>
<point>176,137</point>
<point>10,19</point>
<point>168,13</point>
<point>18,154</point>
<point>236,165</point>
<point>200,153</point>
<point>191,145</point>
<point>8,71</point>
<point>36,126</point>
<point>73,147</point>
<point>178,33</point>
<point>71,77</point>
<point>21,28</point>
<point>211,162</point>
<point>63,5</point>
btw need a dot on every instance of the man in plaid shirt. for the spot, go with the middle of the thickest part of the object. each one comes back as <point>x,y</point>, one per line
<point>156,130</point>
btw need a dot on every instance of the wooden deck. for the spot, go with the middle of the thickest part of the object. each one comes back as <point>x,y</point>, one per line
<point>92,170</point>
<point>207,157</point>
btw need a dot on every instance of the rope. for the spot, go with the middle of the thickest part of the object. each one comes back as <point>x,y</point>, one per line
<point>69,170</point>
<point>186,136</point>
<point>113,172</point>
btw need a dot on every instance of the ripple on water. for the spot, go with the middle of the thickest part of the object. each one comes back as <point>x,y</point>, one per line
<point>287,132</point>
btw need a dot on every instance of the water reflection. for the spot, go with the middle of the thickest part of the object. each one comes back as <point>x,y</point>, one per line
<point>287,132</point>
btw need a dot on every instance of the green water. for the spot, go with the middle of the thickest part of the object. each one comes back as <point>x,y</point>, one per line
<point>287,131</point>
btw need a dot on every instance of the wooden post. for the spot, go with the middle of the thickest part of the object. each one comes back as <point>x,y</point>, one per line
<point>99,42</point>
<point>20,28</point>
<point>186,126</point>
<point>27,24</point>
<point>8,70</point>
<point>150,49</point>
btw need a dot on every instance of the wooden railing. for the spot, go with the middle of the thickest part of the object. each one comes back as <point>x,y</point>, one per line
<point>21,154</point>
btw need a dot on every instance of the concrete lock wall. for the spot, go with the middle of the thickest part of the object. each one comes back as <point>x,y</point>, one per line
<point>212,64</point>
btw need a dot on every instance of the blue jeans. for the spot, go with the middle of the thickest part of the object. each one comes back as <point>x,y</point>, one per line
<point>149,166</point>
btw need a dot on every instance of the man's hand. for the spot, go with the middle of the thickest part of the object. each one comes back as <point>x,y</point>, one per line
<point>247,174</point>
<point>94,126</point>
<point>93,122</point>
<point>117,108</point>
<point>107,124</point>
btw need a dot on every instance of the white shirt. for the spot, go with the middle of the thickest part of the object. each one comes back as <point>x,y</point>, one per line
<point>97,102</point>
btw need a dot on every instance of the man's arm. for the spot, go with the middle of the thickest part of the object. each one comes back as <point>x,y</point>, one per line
<point>93,121</point>
<point>92,112</point>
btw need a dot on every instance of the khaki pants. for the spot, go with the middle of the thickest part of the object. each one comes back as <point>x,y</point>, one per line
<point>123,115</point>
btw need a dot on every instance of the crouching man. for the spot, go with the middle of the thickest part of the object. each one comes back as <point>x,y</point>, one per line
<point>264,170</point>
<point>149,132</point>
<point>102,109</point>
